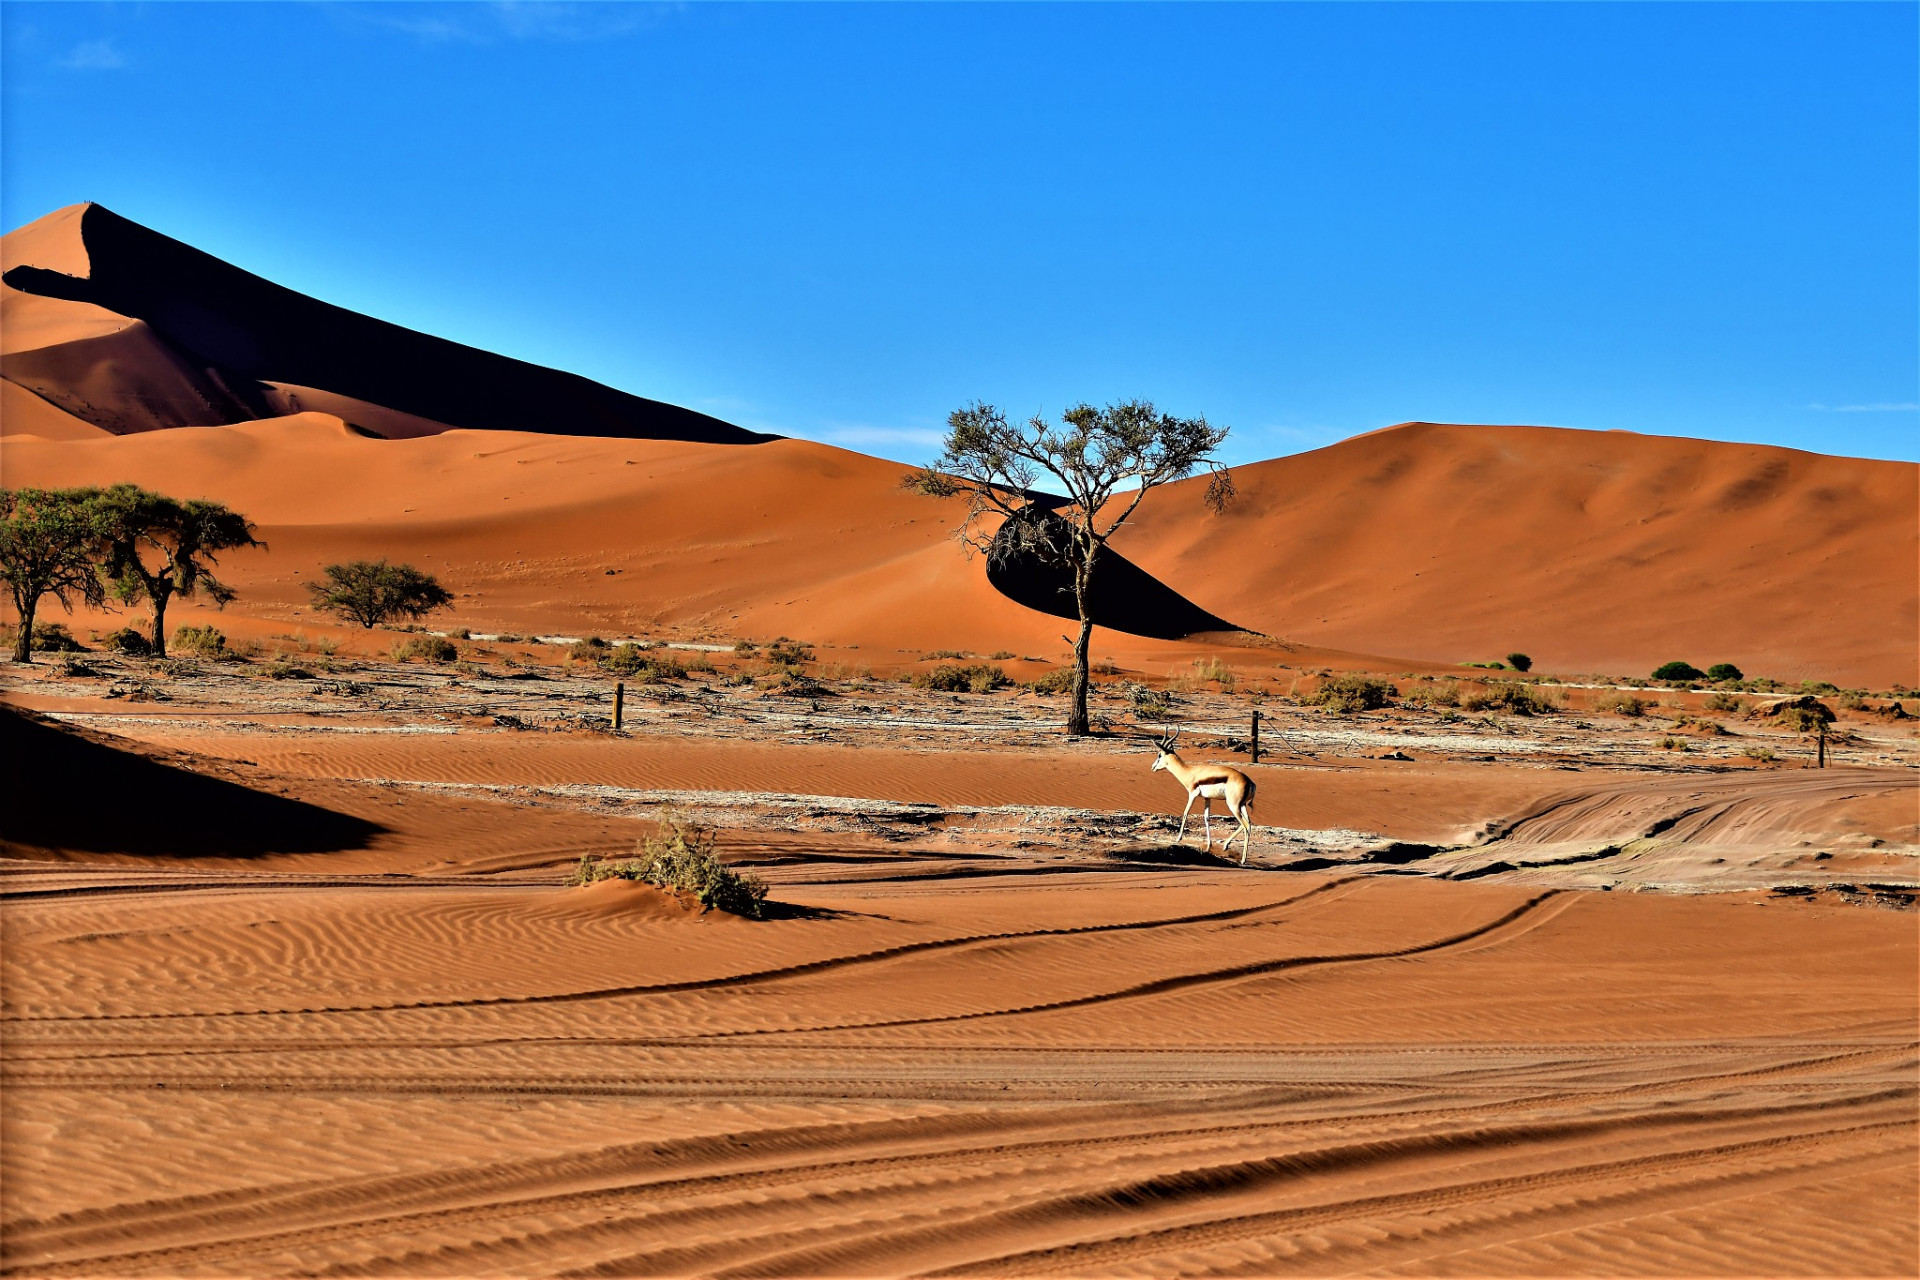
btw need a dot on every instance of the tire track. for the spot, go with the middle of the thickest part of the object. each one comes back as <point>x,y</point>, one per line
<point>709,984</point>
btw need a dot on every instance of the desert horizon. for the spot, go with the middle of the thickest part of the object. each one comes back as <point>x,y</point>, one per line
<point>563,720</point>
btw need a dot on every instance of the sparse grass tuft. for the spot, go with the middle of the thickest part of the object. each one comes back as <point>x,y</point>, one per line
<point>979,677</point>
<point>205,642</point>
<point>1510,695</point>
<point>1059,680</point>
<point>1620,704</point>
<point>427,648</point>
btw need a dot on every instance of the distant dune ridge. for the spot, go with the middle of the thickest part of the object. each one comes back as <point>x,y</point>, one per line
<point>1591,551</point>
<point>133,331</point>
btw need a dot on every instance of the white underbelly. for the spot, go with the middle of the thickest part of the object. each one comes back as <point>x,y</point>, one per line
<point>1214,790</point>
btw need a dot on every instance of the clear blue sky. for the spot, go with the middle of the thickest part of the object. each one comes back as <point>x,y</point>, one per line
<point>840,222</point>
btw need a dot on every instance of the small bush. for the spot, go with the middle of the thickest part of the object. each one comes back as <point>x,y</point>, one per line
<point>590,649</point>
<point>1724,702</point>
<point>1803,719</point>
<point>1001,655</point>
<point>1509,695</point>
<point>980,677</point>
<point>680,859</point>
<point>1344,695</point>
<point>1520,662</point>
<point>128,641</point>
<point>52,637</point>
<point>698,662</point>
<point>428,648</point>
<point>935,655</point>
<point>1442,694</point>
<point>745,648</point>
<point>1677,671</point>
<point>787,652</point>
<point>1149,701</point>
<point>1059,680</point>
<point>1620,704</point>
<point>1762,754</point>
<point>1673,744</point>
<point>1102,669</point>
<point>207,642</point>
<point>1724,671</point>
<point>1215,670</point>
<point>1818,686</point>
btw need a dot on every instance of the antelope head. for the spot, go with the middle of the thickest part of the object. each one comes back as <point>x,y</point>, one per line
<point>1163,747</point>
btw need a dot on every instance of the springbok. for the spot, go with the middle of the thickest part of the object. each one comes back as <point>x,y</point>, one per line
<point>1207,783</point>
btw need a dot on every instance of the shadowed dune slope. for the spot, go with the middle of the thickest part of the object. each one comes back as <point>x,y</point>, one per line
<point>68,789</point>
<point>1598,551</point>
<point>133,331</point>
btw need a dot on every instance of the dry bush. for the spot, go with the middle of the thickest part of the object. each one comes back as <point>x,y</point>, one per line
<point>1214,670</point>
<point>1439,694</point>
<point>979,677</point>
<point>1059,680</point>
<point>1346,694</point>
<point>1149,702</point>
<point>788,653</point>
<point>680,858</point>
<point>1620,704</point>
<point>427,648</point>
<point>204,642</point>
<point>1724,702</point>
<point>1509,695</point>
<point>1673,744</point>
<point>935,655</point>
<point>128,641</point>
<point>1002,655</point>
<point>1762,754</point>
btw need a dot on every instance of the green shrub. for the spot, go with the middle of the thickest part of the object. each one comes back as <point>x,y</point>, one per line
<point>980,677</point>
<point>1620,704</point>
<point>430,648</point>
<point>205,642</point>
<point>1147,701</point>
<point>128,641</point>
<point>641,663</point>
<point>1673,744</point>
<point>1724,702</point>
<point>1346,694</point>
<point>1762,754</point>
<point>745,648</point>
<point>590,649</point>
<point>1677,671</point>
<point>1520,662</point>
<point>52,637</point>
<point>1724,671</point>
<point>680,859</point>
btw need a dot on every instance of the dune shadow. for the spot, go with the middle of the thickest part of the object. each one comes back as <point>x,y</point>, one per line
<point>1170,855</point>
<point>72,790</point>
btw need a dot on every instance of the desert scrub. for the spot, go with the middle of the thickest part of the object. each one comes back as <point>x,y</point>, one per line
<point>1510,695</point>
<point>52,637</point>
<point>426,648</point>
<point>590,649</point>
<point>1001,655</point>
<point>1620,704</point>
<point>1673,744</point>
<point>1762,754</point>
<point>788,653</point>
<point>1148,701</point>
<point>1678,672</point>
<point>1214,670</point>
<point>1344,695</point>
<point>642,664</point>
<point>680,859</point>
<point>1445,694</point>
<point>1059,680</point>
<point>204,642</point>
<point>979,677</point>
<point>1724,702</point>
<point>128,641</point>
<point>935,655</point>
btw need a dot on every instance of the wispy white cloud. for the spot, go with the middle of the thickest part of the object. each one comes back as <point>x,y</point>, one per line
<point>1902,406</point>
<point>868,438</point>
<point>501,21</point>
<point>94,55</point>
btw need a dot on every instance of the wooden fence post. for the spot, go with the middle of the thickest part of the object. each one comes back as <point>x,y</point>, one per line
<point>1256,737</point>
<point>619,703</point>
<point>1823,744</point>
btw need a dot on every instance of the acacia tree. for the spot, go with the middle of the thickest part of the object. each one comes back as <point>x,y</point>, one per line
<point>184,536</point>
<point>47,542</point>
<point>372,591</point>
<point>1094,455</point>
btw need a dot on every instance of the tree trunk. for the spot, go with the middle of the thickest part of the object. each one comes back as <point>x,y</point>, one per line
<point>1078,721</point>
<point>159,600</point>
<point>23,641</point>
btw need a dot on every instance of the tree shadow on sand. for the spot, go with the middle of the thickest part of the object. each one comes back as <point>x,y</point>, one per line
<point>70,789</point>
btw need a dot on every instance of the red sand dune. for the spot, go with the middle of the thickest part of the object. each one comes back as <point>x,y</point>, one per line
<point>1607,552</point>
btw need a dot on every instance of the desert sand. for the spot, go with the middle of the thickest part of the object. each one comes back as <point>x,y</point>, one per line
<point>296,982</point>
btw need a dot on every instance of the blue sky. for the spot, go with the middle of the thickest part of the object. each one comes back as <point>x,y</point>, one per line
<point>841,221</point>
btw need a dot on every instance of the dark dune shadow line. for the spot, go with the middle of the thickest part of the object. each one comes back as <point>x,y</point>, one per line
<point>252,330</point>
<point>67,790</point>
